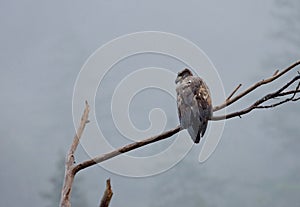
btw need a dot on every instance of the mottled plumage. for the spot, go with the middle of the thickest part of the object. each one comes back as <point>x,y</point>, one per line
<point>194,104</point>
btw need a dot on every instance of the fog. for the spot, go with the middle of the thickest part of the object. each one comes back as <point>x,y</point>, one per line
<point>45,44</point>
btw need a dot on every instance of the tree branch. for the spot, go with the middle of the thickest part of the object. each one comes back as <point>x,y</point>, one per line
<point>70,160</point>
<point>107,195</point>
<point>257,104</point>
<point>292,98</point>
<point>233,92</point>
<point>276,75</point>
<point>72,169</point>
<point>125,148</point>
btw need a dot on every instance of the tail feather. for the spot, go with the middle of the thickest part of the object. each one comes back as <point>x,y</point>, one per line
<point>197,140</point>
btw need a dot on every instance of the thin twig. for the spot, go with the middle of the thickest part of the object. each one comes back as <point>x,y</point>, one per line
<point>254,86</point>
<point>233,92</point>
<point>83,122</point>
<point>296,99</point>
<point>292,98</point>
<point>276,72</point>
<point>288,93</point>
<point>256,104</point>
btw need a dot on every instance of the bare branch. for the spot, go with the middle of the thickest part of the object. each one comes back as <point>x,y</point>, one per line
<point>276,72</point>
<point>233,92</point>
<point>257,104</point>
<point>254,86</point>
<point>70,160</point>
<point>292,98</point>
<point>107,195</point>
<point>83,122</point>
<point>124,149</point>
<point>288,93</point>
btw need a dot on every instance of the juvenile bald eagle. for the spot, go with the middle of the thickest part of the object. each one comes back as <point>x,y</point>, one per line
<point>194,104</point>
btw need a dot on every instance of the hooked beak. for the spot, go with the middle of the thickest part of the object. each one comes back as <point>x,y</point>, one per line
<point>177,79</point>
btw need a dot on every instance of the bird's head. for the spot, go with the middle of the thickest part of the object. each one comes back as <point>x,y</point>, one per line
<point>182,75</point>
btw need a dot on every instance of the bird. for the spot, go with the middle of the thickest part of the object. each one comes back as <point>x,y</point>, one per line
<point>194,104</point>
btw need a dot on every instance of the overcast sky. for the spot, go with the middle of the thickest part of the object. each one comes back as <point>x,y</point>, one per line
<point>43,47</point>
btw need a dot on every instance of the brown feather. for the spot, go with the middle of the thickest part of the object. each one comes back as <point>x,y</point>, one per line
<point>194,104</point>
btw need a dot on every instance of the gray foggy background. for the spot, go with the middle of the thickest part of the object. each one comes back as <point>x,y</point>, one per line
<point>45,43</point>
